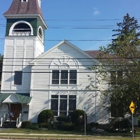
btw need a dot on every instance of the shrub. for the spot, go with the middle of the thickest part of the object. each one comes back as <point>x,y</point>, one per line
<point>25,123</point>
<point>32,126</point>
<point>79,127</point>
<point>88,127</point>
<point>77,117</point>
<point>67,126</point>
<point>120,125</point>
<point>45,116</point>
<point>94,124</point>
<point>82,127</point>
<point>57,125</point>
<point>45,125</point>
<point>124,123</point>
<point>63,118</point>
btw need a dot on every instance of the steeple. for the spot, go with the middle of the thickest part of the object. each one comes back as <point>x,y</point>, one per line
<point>24,8</point>
<point>24,41</point>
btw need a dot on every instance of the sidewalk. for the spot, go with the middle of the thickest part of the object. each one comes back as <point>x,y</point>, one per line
<point>16,136</point>
<point>25,134</point>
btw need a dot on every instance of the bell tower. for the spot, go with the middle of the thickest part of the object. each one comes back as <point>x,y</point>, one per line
<point>24,41</point>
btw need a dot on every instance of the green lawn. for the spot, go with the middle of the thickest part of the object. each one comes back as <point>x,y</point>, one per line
<point>47,134</point>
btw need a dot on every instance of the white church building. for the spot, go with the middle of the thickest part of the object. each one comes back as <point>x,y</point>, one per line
<point>34,80</point>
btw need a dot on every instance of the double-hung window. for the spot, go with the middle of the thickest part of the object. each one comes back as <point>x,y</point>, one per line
<point>72,103</point>
<point>64,77</point>
<point>73,77</point>
<point>63,104</point>
<point>55,77</point>
<point>54,104</point>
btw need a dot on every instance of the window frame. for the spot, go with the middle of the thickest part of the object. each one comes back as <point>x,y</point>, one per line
<point>22,27</point>
<point>54,103</point>
<point>18,74</point>
<point>63,108</point>
<point>63,79</point>
<point>22,21</point>
<point>73,78</point>
<point>40,33</point>
<point>55,81</point>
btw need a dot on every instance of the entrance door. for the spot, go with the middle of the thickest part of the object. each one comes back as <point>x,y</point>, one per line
<point>15,109</point>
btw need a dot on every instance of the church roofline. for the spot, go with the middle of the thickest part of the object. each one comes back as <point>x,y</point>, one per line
<point>60,43</point>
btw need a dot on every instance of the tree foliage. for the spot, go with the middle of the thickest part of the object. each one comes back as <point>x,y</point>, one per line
<point>120,67</point>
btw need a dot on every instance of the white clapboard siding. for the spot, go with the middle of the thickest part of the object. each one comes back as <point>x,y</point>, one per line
<point>29,52</point>
<point>39,102</point>
<point>40,79</point>
<point>6,79</point>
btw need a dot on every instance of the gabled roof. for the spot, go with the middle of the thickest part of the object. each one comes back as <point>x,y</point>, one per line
<point>3,96</point>
<point>14,98</point>
<point>93,53</point>
<point>62,42</point>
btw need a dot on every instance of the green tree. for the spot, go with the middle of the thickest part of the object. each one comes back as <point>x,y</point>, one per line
<point>120,67</point>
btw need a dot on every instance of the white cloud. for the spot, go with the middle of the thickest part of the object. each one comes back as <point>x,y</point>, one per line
<point>96,11</point>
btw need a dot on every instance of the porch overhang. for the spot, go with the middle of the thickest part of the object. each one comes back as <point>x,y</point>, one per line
<point>14,98</point>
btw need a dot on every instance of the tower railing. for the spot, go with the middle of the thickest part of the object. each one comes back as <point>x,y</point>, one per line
<point>21,33</point>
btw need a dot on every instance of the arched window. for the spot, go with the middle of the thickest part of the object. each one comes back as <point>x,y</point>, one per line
<point>21,28</point>
<point>40,33</point>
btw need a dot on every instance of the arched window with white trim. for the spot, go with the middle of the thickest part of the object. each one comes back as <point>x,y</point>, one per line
<point>21,28</point>
<point>40,33</point>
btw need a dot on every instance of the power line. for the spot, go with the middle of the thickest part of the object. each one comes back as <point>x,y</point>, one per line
<point>101,19</point>
<point>67,58</point>
<point>40,65</point>
<point>73,26</point>
<point>61,39</point>
<point>88,72</point>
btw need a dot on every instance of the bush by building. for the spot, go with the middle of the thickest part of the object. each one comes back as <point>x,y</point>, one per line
<point>63,118</point>
<point>25,123</point>
<point>77,117</point>
<point>46,116</point>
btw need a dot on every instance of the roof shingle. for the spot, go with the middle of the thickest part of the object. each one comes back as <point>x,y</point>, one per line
<point>93,53</point>
<point>18,7</point>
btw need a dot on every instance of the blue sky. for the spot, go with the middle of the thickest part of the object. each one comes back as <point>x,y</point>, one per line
<point>79,20</point>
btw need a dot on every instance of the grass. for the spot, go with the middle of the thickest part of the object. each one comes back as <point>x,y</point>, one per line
<point>56,134</point>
